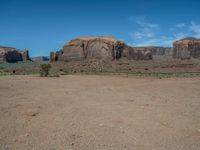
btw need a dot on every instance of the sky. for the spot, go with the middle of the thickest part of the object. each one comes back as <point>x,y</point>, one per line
<point>42,26</point>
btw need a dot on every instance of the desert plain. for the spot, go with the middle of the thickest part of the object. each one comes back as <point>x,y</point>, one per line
<point>87,112</point>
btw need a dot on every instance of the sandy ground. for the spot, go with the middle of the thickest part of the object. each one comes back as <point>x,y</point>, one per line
<point>99,113</point>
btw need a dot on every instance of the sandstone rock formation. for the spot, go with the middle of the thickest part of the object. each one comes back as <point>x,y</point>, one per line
<point>12,55</point>
<point>139,53</point>
<point>99,47</point>
<point>186,48</point>
<point>150,51</point>
<point>161,50</point>
<point>24,54</point>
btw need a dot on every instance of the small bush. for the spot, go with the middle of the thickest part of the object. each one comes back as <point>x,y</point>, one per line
<point>44,70</point>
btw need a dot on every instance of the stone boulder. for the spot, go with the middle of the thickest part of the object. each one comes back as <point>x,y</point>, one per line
<point>12,55</point>
<point>97,47</point>
<point>186,48</point>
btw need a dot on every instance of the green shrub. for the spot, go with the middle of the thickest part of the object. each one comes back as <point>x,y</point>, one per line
<point>44,70</point>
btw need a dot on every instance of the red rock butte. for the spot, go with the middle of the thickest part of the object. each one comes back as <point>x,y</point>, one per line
<point>99,47</point>
<point>186,48</point>
<point>12,55</point>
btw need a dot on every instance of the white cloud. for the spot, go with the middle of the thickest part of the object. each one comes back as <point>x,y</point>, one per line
<point>149,42</point>
<point>140,35</point>
<point>180,35</point>
<point>159,41</point>
<point>167,40</point>
<point>145,29</point>
<point>172,29</point>
<point>150,34</point>
<point>180,25</point>
<point>145,24</point>
<point>195,28</point>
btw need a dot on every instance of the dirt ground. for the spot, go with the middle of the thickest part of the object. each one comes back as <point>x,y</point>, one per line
<point>99,113</point>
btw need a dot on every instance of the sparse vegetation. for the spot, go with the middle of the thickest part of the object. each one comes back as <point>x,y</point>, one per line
<point>44,70</point>
<point>158,75</point>
<point>21,68</point>
<point>138,69</point>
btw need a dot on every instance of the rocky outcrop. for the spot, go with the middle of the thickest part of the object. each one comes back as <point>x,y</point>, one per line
<point>12,55</point>
<point>186,48</point>
<point>99,47</point>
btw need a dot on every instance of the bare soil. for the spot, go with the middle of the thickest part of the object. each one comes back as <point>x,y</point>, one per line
<point>99,113</point>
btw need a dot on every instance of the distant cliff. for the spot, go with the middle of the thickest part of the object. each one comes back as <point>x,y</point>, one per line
<point>40,58</point>
<point>12,55</point>
<point>100,47</point>
<point>105,47</point>
<point>186,48</point>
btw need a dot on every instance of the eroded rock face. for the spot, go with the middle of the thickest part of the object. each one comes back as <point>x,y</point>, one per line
<point>90,48</point>
<point>11,55</point>
<point>99,47</point>
<point>24,54</point>
<point>156,50</point>
<point>186,48</point>
<point>138,53</point>
<point>146,53</point>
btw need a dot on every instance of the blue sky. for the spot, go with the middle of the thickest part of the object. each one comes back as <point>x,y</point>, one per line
<point>45,25</point>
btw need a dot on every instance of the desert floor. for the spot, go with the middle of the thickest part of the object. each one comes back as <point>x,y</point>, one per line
<point>99,113</point>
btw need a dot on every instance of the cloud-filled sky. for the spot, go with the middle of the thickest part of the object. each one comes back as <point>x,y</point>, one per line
<point>45,25</point>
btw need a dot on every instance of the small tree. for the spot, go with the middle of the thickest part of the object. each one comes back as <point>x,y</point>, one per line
<point>44,70</point>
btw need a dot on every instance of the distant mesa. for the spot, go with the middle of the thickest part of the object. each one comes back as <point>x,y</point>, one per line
<point>110,48</point>
<point>40,58</point>
<point>158,50</point>
<point>12,55</point>
<point>186,48</point>
<point>105,47</point>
